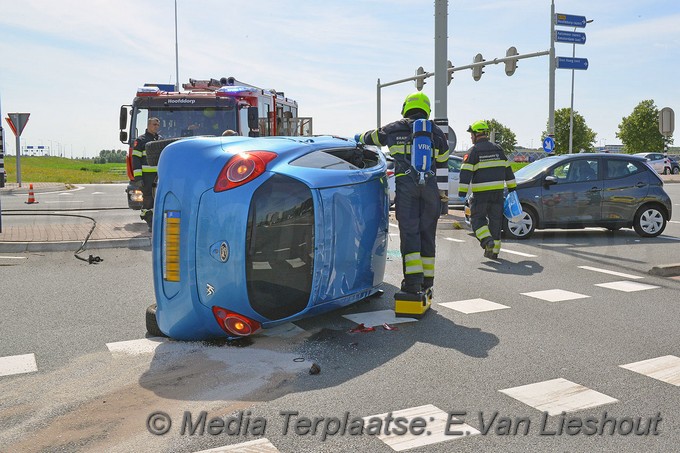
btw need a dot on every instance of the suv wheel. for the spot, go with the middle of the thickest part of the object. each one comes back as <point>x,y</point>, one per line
<point>676,170</point>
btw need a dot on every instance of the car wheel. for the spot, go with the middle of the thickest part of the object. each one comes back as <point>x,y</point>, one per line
<point>676,170</point>
<point>649,221</point>
<point>152,323</point>
<point>522,229</point>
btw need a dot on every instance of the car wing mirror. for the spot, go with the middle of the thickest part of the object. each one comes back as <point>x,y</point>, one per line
<point>550,180</point>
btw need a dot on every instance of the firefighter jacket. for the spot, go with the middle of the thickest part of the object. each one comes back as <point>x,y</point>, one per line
<point>486,168</point>
<point>139,163</point>
<point>397,137</point>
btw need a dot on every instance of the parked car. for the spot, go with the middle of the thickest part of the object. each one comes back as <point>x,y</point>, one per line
<point>254,232</point>
<point>455,163</point>
<point>590,190</point>
<point>662,165</point>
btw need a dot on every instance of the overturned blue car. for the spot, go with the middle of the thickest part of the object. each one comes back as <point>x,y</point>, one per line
<point>249,233</point>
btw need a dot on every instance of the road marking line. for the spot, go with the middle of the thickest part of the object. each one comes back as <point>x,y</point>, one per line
<point>436,420</point>
<point>673,221</point>
<point>626,286</point>
<point>13,257</point>
<point>454,240</point>
<point>665,369</point>
<point>98,193</point>
<point>135,347</point>
<point>555,295</point>
<point>669,237</point>
<point>253,446</point>
<point>17,364</point>
<point>557,395</point>
<point>473,306</point>
<point>64,201</point>
<point>528,255</point>
<point>605,271</point>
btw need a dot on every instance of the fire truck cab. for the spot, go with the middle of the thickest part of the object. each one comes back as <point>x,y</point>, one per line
<point>207,108</point>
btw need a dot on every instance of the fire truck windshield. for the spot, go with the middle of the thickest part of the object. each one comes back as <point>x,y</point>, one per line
<point>186,122</point>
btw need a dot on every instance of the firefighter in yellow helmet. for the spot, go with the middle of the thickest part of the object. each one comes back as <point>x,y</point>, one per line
<point>488,171</point>
<point>417,203</point>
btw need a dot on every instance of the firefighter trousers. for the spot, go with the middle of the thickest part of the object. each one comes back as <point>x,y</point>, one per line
<point>149,179</point>
<point>486,218</point>
<point>417,208</point>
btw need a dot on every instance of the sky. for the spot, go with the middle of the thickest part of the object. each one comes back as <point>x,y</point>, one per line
<point>71,64</point>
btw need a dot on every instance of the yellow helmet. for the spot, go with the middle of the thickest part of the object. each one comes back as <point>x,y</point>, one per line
<point>417,100</point>
<point>479,127</point>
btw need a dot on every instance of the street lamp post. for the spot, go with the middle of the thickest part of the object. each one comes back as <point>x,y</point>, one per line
<point>571,108</point>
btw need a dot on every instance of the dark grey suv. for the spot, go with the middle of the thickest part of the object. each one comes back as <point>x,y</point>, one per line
<point>591,190</point>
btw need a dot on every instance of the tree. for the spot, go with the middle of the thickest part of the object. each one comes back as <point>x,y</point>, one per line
<point>639,132</point>
<point>583,137</point>
<point>504,137</point>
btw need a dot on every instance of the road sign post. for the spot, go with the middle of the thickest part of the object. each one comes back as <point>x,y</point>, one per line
<point>17,122</point>
<point>548,145</point>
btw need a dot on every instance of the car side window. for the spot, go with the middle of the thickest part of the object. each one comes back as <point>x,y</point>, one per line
<point>576,171</point>
<point>618,168</point>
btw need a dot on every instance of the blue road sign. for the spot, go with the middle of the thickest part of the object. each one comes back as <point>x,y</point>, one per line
<point>572,37</point>
<point>548,145</point>
<point>572,63</point>
<point>570,20</point>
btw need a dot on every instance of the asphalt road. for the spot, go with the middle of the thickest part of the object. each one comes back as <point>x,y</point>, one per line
<point>92,379</point>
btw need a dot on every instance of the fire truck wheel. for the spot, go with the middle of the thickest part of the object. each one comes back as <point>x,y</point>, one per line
<point>155,148</point>
<point>152,323</point>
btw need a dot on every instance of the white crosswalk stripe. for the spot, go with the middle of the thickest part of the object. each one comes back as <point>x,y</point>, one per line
<point>18,364</point>
<point>626,286</point>
<point>473,306</point>
<point>435,431</point>
<point>555,295</point>
<point>558,395</point>
<point>253,446</point>
<point>665,369</point>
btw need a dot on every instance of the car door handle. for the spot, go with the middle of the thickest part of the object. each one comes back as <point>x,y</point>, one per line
<point>640,184</point>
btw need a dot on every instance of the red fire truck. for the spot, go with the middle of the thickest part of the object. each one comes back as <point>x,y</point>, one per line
<point>208,107</point>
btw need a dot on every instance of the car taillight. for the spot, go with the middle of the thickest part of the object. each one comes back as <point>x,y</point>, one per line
<point>243,168</point>
<point>390,173</point>
<point>235,324</point>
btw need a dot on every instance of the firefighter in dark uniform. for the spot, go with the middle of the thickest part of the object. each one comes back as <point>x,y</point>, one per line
<point>417,206</point>
<point>144,174</point>
<point>488,172</point>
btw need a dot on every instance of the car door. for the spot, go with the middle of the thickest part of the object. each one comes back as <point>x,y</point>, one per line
<point>626,184</point>
<point>574,195</point>
<point>656,160</point>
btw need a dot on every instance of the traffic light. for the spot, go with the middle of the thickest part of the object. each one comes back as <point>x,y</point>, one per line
<point>477,70</point>
<point>511,65</point>
<point>449,73</point>
<point>420,82</point>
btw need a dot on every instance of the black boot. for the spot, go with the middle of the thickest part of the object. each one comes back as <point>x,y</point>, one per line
<point>411,288</point>
<point>428,282</point>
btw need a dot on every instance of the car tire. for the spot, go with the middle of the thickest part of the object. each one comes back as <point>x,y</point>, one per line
<point>152,322</point>
<point>676,170</point>
<point>524,228</point>
<point>155,148</point>
<point>649,221</point>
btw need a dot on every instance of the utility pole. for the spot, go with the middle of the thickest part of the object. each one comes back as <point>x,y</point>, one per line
<point>551,71</point>
<point>441,79</point>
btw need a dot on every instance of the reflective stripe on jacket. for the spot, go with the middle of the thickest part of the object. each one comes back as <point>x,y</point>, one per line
<point>485,168</point>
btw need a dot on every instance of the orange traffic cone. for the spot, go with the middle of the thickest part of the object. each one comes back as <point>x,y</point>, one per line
<point>31,196</point>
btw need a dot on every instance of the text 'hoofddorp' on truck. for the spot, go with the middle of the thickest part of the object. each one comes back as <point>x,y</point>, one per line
<point>208,107</point>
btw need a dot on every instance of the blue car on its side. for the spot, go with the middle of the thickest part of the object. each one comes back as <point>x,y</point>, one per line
<point>249,233</point>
